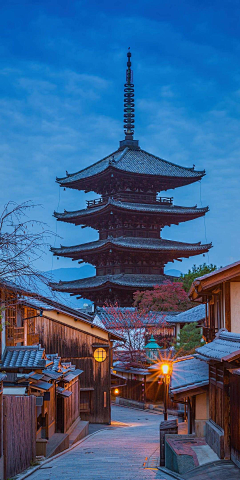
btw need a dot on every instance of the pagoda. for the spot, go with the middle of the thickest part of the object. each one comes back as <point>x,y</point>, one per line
<point>129,214</point>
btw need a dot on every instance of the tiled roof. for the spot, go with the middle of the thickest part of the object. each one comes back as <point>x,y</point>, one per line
<point>134,207</point>
<point>24,357</point>
<point>189,373</point>
<point>224,344</point>
<point>157,244</point>
<point>133,161</point>
<point>109,319</point>
<point>131,280</point>
<point>195,314</point>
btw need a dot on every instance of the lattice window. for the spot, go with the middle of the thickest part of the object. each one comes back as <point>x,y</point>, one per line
<point>11,310</point>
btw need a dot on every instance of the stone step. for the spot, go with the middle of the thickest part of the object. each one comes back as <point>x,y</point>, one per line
<point>80,431</point>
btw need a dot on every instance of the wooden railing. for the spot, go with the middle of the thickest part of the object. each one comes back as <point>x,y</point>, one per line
<point>136,198</point>
<point>14,335</point>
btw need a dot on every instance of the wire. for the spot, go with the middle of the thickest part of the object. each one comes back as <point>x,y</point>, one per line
<point>59,198</point>
<point>204,218</point>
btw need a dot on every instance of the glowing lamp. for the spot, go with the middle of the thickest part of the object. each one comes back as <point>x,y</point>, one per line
<point>165,368</point>
<point>116,391</point>
<point>100,354</point>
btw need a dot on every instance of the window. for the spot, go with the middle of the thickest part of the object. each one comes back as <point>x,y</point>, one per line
<point>85,401</point>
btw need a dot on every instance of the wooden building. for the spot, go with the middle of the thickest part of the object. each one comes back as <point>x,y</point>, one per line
<point>223,426</point>
<point>89,348</point>
<point>49,380</point>
<point>129,215</point>
<point>18,320</point>
<point>190,386</point>
<point>2,377</point>
<point>220,290</point>
<point>30,319</point>
<point>137,384</point>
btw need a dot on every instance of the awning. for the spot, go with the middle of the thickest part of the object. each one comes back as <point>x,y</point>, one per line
<point>64,393</point>
<point>71,375</point>
<point>41,386</point>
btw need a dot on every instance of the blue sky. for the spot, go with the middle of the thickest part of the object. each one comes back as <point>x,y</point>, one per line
<point>62,69</point>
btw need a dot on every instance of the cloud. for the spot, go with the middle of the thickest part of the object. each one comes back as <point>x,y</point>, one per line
<point>62,104</point>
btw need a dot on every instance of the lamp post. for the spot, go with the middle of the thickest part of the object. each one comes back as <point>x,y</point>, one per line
<point>166,369</point>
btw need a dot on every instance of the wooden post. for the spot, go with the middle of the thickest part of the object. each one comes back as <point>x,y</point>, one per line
<point>25,326</point>
<point>227,307</point>
<point>226,415</point>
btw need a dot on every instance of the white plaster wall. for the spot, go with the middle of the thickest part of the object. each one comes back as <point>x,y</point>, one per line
<point>235,306</point>
<point>201,414</point>
<point>202,408</point>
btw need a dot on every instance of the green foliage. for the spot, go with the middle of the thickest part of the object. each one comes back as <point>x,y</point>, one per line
<point>189,338</point>
<point>195,272</point>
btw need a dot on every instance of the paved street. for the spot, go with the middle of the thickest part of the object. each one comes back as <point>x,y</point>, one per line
<point>117,452</point>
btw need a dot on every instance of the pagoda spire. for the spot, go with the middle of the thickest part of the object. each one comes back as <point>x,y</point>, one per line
<point>129,100</point>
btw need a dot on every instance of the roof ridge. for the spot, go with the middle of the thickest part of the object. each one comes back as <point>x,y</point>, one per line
<point>141,240</point>
<point>122,204</point>
<point>174,164</point>
<point>58,179</point>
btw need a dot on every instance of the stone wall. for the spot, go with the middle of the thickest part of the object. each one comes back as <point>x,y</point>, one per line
<point>215,438</point>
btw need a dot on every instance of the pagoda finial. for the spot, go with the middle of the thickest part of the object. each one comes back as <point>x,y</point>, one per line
<point>129,100</point>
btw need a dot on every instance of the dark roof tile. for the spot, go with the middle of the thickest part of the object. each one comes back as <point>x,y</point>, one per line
<point>133,161</point>
<point>224,344</point>
<point>131,280</point>
<point>189,373</point>
<point>134,207</point>
<point>157,244</point>
<point>24,357</point>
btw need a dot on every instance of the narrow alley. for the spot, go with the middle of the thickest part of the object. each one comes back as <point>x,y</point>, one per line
<point>126,450</point>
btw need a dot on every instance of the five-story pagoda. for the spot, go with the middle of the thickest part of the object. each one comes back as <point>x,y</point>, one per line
<point>129,216</point>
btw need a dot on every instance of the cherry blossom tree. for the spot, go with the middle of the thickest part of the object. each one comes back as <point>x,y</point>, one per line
<point>132,324</point>
<point>167,297</point>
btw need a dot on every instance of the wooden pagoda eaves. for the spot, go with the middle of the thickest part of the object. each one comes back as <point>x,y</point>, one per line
<point>165,213</point>
<point>131,165</point>
<point>129,216</point>
<point>168,248</point>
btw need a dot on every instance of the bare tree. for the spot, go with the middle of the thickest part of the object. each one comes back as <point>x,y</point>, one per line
<point>23,241</point>
<point>132,325</point>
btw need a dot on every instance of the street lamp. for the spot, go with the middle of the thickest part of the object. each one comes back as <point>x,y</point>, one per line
<point>166,373</point>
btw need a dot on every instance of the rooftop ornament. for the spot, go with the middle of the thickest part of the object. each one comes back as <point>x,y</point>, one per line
<point>129,101</point>
<point>129,115</point>
<point>152,350</point>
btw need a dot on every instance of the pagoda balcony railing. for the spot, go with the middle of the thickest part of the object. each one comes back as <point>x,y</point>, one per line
<point>136,198</point>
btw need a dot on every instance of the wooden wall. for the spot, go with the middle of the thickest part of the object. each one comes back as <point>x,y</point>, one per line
<point>235,417</point>
<point>75,346</point>
<point>142,391</point>
<point>19,433</point>
<point>216,394</point>
<point>69,407</point>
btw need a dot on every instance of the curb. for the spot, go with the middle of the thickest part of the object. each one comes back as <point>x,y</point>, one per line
<point>33,470</point>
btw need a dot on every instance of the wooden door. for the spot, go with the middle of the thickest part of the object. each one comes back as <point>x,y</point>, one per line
<point>235,417</point>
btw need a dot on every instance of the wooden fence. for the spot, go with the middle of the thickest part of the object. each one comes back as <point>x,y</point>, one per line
<point>19,433</point>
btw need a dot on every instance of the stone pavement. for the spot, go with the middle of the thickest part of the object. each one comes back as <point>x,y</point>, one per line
<point>128,450</point>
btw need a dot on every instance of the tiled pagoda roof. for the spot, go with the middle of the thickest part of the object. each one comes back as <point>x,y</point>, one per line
<point>133,281</point>
<point>158,209</point>
<point>135,161</point>
<point>154,244</point>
